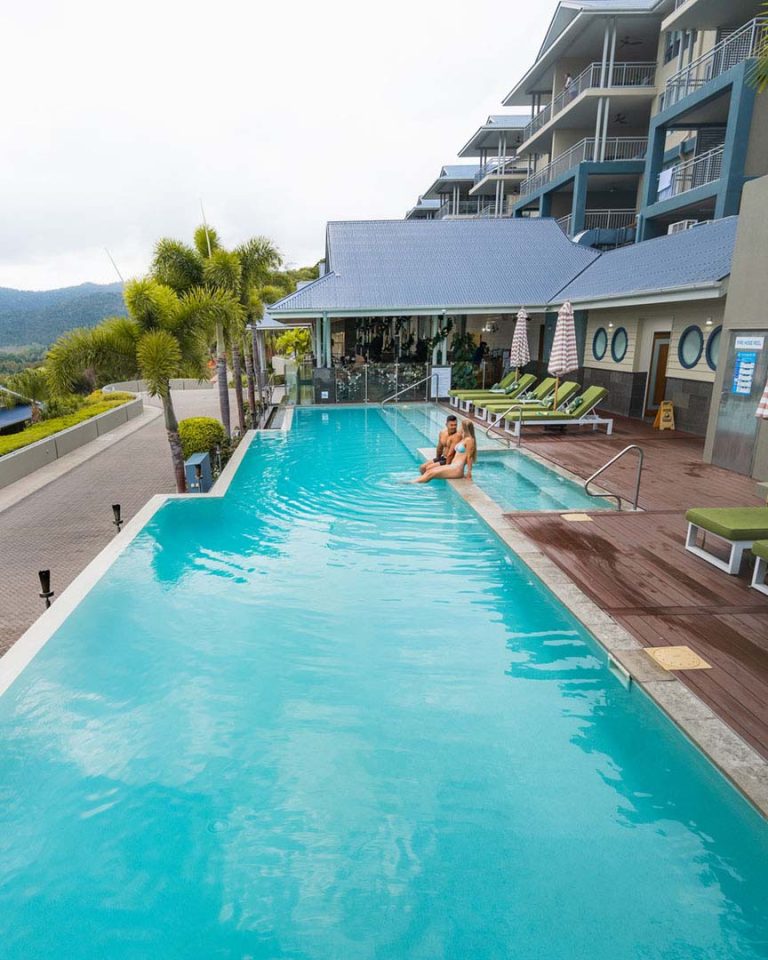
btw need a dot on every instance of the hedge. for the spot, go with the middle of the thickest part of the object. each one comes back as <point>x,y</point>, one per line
<point>94,404</point>
<point>200,435</point>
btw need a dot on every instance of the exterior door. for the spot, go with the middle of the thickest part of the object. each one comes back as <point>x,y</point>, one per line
<point>745,367</point>
<point>657,377</point>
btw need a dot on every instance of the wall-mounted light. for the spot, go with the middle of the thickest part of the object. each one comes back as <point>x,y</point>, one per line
<point>610,326</point>
<point>709,321</point>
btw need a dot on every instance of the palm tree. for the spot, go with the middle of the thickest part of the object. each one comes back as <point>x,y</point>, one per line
<point>163,336</point>
<point>760,72</point>
<point>222,272</point>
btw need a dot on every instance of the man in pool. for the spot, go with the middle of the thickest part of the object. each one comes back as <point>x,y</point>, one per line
<point>450,435</point>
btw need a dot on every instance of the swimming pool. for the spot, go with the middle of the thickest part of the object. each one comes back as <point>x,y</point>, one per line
<point>329,715</point>
<point>513,479</point>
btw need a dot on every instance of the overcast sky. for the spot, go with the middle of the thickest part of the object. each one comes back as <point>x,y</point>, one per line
<point>117,119</point>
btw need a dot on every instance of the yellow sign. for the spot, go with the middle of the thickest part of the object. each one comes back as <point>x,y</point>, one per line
<point>665,417</point>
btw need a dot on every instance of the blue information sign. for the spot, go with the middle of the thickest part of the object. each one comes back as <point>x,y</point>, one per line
<point>744,372</point>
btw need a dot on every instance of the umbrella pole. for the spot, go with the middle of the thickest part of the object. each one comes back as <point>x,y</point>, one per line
<point>557,387</point>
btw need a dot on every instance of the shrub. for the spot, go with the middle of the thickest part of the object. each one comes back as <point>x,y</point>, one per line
<point>92,407</point>
<point>200,435</point>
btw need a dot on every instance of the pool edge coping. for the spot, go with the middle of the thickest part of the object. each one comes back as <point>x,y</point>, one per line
<point>736,759</point>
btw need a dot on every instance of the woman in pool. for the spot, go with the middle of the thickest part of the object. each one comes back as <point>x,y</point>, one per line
<point>465,455</point>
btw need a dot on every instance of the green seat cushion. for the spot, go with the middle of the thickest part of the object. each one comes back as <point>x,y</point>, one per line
<point>732,523</point>
<point>760,549</point>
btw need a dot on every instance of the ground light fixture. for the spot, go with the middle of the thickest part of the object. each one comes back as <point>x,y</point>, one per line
<point>118,521</point>
<point>45,586</point>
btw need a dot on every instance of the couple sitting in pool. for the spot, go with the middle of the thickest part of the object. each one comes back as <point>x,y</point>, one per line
<point>456,452</point>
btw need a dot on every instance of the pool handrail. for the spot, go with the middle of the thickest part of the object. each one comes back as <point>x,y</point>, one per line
<point>615,496</point>
<point>410,386</point>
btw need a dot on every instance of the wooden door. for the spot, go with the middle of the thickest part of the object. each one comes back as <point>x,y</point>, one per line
<point>657,376</point>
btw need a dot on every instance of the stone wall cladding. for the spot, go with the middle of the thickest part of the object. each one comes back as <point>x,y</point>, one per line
<point>691,400</point>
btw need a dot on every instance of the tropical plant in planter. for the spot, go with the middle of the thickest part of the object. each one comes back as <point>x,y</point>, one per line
<point>463,373</point>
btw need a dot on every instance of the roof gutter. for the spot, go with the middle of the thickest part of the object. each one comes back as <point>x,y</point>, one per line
<point>711,290</point>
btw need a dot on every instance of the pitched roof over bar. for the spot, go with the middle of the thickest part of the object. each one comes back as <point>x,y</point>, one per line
<point>386,267</point>
<point>461,266</point>
<point>688,265</point>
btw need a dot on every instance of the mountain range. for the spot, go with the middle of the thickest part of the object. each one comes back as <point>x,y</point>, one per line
<point>40,316</point>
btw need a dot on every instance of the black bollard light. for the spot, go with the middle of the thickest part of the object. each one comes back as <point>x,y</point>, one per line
<point>45,586</point>
<point>118,521</point>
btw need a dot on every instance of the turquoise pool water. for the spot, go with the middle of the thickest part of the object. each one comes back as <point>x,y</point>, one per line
<point>511,478</point>
<point>329,716</point>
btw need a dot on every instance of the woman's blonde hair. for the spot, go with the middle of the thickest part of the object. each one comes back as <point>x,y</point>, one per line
<point>468,429</point>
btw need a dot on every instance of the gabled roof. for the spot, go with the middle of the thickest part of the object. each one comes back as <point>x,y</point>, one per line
<point>451,174</point>
<point>461,266</point>
<point>422,206</point>
<point>696,259</point>
<point>489,134</point>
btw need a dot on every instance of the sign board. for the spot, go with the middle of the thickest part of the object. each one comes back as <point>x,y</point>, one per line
<point>744,369</point>
<point>749,343</point>
<point>441,386</point>
<point>665,417</point>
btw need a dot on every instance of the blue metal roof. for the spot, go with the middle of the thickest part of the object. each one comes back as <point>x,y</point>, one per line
<point>10,416</point>
<point>695,257</point>
<point>394,266</point>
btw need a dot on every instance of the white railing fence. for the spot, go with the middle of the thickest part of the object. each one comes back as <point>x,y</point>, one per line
<point>744,43</point>
<point>601,220</point>
<point>616,148</point>
<point>595,75</point>
<point>706,168</point>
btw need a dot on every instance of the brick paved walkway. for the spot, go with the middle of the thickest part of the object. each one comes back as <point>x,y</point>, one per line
<point>66,523</point>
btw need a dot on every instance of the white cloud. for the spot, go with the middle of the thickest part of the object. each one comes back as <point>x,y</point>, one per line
<point>117,119</point>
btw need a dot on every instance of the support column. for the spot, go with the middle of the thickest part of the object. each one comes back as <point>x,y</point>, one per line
<point>327,341</point>
<point>579,204</point>
<point>735,148</point>
<point>318,336</point>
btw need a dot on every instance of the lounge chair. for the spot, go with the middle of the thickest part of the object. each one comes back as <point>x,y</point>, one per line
<point>508,380</point>
<point>739,527</point>
<point>566,391</point>
<point>581,411</point>
<point>760,551</point>
<point>466,398</point>
<point>537,396</point>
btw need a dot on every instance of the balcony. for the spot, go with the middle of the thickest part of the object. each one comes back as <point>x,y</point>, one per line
<point>746,42</point>
<point>615,148</point>
<point>498,168</point>
<point>466,208</point>
<point>694,173</point>
<point>601,220</point>
<point>595,76</point>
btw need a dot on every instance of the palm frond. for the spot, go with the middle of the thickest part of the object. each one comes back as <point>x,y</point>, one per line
<point>206,241</point>
<point>177,265</point>
<point>150,303</point>
<point>159,357</point>
<point>222,271</point>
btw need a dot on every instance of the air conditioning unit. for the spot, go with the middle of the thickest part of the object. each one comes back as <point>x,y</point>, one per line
<point>680,226</point>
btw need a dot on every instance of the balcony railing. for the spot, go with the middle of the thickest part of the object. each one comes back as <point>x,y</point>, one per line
<point>601,220</point>
<point>467,208</point>
<point>616,148</point>
<point>746,42</point>
<point>706,168</point>
<point>622,75</point>
<point>496,167</point>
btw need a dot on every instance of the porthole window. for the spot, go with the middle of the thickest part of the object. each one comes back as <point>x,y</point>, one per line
<point>599,343</point>
<point>619,345</point>
<point>713,347</point>
<point>691,347</point>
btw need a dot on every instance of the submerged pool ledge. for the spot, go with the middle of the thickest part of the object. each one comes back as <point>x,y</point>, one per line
<point>734,757</point>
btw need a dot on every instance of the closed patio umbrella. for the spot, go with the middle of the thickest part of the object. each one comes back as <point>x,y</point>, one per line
<point>520,352</point>
<point>762,407</point>
<point>564,355</point>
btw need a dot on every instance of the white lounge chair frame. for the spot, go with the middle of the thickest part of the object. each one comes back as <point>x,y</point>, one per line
<point>588,419</point>
<point>733,564</point>
<point>758,577</point>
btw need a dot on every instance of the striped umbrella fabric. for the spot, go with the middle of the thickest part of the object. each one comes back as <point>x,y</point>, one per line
<point>520,352</point>
<point>762,407</point>
<point>564,356</point>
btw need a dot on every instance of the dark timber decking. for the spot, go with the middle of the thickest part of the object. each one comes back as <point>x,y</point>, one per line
<point>635,567</point>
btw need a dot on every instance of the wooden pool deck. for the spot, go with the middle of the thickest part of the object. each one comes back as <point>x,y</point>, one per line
<point>634,565</point>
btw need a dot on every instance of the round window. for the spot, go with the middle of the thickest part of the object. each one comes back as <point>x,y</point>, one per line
<point>690,348</point>
<point>619,345</point>
<point>713,347</point>
<point>599,343</point>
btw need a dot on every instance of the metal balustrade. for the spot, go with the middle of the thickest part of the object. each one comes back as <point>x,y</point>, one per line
<point>601,220</point>
<point>623,75</point>
<point>706,168</point>
<point>589,149</point>
<point>467,208</point>
<point>744,43</point>
<point>496,167</point>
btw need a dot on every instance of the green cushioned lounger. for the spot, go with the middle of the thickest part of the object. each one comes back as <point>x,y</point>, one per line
<point>740,527</point>
<point>571,408</point>
<point>540,393</point>
<point>760,551</point>
<point>565,392</point>
<point>506,381</point>
<point>511,390</point>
